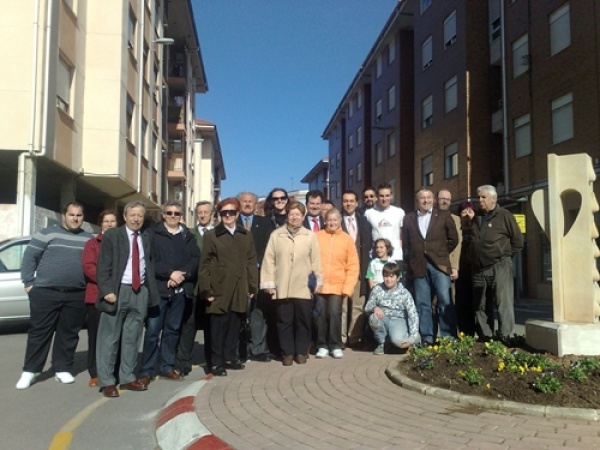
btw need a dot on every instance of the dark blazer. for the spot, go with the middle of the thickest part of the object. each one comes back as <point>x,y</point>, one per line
<point>168,259</point>
<point>308,222</point>
<point>228,269</point>
<point>261,230</point>
<point>112,262</point>
<point>364,244</point>
<point>441,239</point>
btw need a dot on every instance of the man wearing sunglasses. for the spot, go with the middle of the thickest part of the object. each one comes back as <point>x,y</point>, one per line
<point>176,256</point>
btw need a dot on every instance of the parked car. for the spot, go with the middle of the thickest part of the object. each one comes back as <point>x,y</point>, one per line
<point>14,303</point>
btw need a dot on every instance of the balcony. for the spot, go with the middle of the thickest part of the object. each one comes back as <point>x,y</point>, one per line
<point>176,168</point>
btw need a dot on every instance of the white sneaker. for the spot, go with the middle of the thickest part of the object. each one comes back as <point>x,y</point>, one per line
<point>26,380</point>
<point>64,377</point>
<point>322,353</point>
<point>337,353</point>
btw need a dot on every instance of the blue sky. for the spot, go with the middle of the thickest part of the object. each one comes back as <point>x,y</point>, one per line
<point>276,71</point>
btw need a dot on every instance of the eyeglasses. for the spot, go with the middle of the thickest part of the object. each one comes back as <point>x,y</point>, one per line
<point>227,212</point>
<point>173,213</point>
<point>278,199</point>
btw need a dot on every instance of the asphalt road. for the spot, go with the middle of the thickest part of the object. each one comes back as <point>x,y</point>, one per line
<point>49,415</point>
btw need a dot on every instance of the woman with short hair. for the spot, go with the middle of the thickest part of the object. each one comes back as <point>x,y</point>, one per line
<point>227,278</point>
<point>340,274</point>
<point>290,273</point>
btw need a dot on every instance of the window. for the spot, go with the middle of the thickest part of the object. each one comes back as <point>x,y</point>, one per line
<point>378,67</point>
<point>176,146</point>
<point>64,83</point>
<point>427,112</point>
<point>11,257</point>
<point>560,29</point>
<point>562,118</point>
<point>450,95</point>
<point>451,160</point>
<point>351,109</point>
<point>378,110</point>
<point>392,98</point>
<point>359,100</point>
<point>350,143</point>
<point>450,30</point>
<point>131,31</point>
<point>350,177</point>
<point>378,153</point>
<point>427,171</point>
<point>359,172</point>
<point>338,159</point>
<point>425,4</point>
<point>359,135</point>
<point>426,53</point>
<point>520,51</point>
<point>495,20</point>
<point>143,146</point>
<point>129,116</point>
<point>392,52</point>
<point>338,189</point>
<point>391,144</point>
<point>522,136</point>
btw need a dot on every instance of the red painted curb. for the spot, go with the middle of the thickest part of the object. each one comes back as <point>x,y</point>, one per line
<point>183,405</point>
<point>210,442</point>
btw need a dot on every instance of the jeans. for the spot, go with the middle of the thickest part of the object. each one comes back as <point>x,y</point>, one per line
<point>394,327</point>
<point>435,282</point>
<point>164,322</point>
<point>329,322</point>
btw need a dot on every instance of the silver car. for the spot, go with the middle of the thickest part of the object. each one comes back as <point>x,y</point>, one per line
<point>14,302</point>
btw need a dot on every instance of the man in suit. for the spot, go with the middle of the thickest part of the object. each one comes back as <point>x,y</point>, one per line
<point>193,313</point>
<point>126,289</point>
<point>314,202</point>
<point>360,231</point>
<point>261,308</point>
<point>428,237</point>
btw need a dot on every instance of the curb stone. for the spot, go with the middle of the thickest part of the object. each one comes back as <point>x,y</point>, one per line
<point>555,412</point>
<point>178,426</point>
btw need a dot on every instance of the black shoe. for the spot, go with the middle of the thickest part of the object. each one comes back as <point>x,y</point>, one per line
<point>234,365</point>
<point>262,357</point>
<point>219,371</point>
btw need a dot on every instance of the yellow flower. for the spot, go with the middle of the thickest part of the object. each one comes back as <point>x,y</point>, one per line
<point>435,347</point>
<point>487,386</point>
<point>501,365</point>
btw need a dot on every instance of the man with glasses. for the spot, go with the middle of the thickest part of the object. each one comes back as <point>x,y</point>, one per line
<point>261,305</point>
<point>176,257</point>
<point>194,314</point>
<point>369,198</point>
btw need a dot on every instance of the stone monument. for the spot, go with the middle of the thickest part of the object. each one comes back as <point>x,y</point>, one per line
<point>566,214</point>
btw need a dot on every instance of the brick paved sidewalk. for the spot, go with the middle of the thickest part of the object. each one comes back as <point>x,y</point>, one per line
<point>351,404</point>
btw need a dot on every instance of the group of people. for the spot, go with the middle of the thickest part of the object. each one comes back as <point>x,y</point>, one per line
<point>297,279</point>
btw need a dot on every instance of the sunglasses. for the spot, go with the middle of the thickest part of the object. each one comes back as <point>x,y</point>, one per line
<point>278,199</point>
<point>173,213</point>
<point>227,212</point>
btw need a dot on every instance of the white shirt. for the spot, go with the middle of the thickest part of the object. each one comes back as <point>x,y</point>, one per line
<point>387,224</point>
<point>424,219</point>
<point>127,275</point>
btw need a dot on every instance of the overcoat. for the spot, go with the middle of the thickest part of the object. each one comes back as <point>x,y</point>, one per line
<point>228,269</point>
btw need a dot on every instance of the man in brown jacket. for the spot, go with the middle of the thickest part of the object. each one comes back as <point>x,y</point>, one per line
<point>428,237</point>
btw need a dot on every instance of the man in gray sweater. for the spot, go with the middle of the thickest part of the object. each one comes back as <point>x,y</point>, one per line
<point>52,275</point>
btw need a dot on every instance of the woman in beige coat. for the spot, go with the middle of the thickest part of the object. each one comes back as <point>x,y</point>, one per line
<point>291,273</point>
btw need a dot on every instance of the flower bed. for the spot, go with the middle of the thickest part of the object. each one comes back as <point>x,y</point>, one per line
<point>507,370</point>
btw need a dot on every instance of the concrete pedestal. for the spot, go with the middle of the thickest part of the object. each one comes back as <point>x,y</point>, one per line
<point>563,338</point>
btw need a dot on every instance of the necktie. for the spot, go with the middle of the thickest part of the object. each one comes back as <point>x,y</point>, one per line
<point>315,224</point>
<point>204,230</point>
<point>352,228</point>
<point>135,263</point>
<point>247,224</point>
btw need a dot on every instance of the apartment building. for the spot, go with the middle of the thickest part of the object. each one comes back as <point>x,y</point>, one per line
<point>370,134</point>
<point>207,169</point>
<point>498,85</point>
<point>85,102</point>
<point>318,177</point>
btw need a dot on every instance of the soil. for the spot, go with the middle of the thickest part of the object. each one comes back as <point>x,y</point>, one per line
<point>505,385</point>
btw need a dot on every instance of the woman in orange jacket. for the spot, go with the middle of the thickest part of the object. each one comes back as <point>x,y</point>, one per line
<point>339,260</point>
